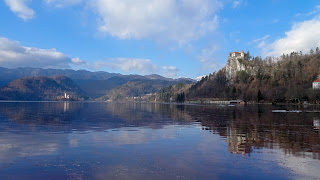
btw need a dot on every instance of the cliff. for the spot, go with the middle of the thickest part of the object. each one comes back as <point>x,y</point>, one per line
<point>239,63</point>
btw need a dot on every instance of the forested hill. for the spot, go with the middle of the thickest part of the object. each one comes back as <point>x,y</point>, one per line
<point>284,79</point>
<point>135,89</point>
<point>41,88</point>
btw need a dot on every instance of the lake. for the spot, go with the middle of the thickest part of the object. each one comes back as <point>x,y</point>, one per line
<point>93,140</point>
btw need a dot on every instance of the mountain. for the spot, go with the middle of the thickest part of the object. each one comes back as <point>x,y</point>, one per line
<point>73,74</point>
<point>41,88</point>
<point>94,84</point>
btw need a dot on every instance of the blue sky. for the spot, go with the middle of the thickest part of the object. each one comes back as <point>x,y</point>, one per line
<point>174,38</point>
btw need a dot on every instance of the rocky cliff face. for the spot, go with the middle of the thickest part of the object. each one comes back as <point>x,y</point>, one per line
<point>234,65</point>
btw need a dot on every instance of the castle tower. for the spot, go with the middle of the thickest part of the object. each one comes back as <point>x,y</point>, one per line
<point>242,54</point>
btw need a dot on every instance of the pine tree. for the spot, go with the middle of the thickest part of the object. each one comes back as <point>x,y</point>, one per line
<point>259,96</point>
<point>311,51</point>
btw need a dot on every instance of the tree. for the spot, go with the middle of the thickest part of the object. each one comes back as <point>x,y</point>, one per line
<point>181,97</point>
<point>317,50</point>
<point>311,51</point>
<point>243,76</point>
<point>259,96</point>
<point>248,55</point>
<point>234,91</point>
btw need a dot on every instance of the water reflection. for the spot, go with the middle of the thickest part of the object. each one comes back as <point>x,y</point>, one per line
<point>316,124</point>
<point>139,140</point>
<point>248,128</point>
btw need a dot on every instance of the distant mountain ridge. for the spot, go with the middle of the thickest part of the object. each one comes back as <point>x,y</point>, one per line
<point>7,75</point>
<point>41,88</point>
<point>93,84</point>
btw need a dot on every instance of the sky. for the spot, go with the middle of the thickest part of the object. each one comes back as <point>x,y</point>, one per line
<point>173,38</point>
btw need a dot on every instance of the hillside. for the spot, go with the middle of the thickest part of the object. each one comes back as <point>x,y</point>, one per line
<point>284,79</point>
<point>41,88</point>
<point>137,88</point>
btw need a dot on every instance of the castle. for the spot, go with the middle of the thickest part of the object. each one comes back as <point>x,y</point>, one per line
<point>237,54</point>
<point>235,64</point>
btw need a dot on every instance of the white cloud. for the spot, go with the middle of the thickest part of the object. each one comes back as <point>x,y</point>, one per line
<point>62,3</point>
<point>12,55</point>
<point>77,61</point>
<point>260,42</point>
<point>303,36</point>
<point>207,54</point>
<point>297,15</point>
<point>170,71</point>
<point>20,8</point>
<point>261,39</point>
<point>164,20</point>
<point>137,65</point>
<point>315,11</point>
<point>236,4</point>
<point>208,58</point>
<point>239,3</point>
<point>141,66</point>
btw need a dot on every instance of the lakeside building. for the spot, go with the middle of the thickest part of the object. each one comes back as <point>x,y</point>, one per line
<point>66,96</point>
<point>316,84</point>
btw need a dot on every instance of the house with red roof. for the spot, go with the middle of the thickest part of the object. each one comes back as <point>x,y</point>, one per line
<point>316,84</point>
<point>237,54</point>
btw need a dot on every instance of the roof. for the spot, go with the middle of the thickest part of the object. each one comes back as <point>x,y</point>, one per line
<point>318,80</point>
<point>236,53</point>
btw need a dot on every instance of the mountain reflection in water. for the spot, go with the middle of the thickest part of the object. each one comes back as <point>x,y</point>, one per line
<point>138,140</point>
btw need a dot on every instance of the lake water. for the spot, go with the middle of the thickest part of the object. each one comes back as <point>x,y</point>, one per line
<point>74,140</point>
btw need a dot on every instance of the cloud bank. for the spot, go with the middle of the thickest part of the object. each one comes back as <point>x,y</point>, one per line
<point>13,55</point>
<point>170,71</point>
<point>179,21</point>
<point>143,66</point>
<point>136,65</point>
<point>163,21</point>
<point>303,36</point>
<point>20,8</point>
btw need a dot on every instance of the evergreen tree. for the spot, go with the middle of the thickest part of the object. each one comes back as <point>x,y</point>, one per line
<point>311,51</point>
<point>259,96</point>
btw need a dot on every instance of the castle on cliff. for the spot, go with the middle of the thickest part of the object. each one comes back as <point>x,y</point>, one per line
<point>235,63</point>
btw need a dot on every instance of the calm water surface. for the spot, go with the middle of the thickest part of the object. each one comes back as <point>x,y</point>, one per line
<point>66,140</point>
